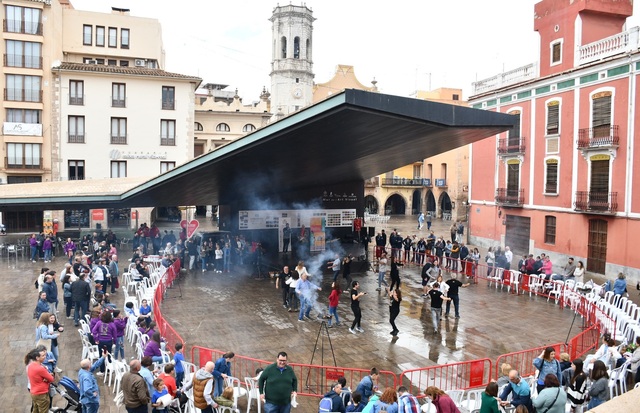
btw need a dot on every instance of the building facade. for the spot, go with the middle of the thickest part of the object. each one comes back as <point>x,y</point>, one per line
<point>562,181</point>
<point>437,185</point>
<point>291,59</point>
<point>86,97</point>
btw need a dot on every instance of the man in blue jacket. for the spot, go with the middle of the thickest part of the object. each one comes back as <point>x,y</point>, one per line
<point>366,387</point>
<point>337,405</point>
<point>89,391</point>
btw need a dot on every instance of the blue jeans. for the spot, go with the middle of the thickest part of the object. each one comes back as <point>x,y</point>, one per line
<point>47,255</point>
<point>456,304</point>
<point>594,402</point>
<point>119,347</point>
<point>274,408</point>
<point>435,317</point>
<point>381,279</point>
<point>333,311</point>
<point>305,307</point>
<point>335,275</point>
<point>34,253</point>
<point>203,262</point>
<point>227,262</point>
<point>90,407</point>
<point>84,305</point>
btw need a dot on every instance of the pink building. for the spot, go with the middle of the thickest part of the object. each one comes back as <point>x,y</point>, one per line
<point>563,180</point>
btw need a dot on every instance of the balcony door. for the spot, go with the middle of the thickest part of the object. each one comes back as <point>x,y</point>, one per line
<point>597,246</point>
<point>601,115</point>
<point>599,186</point>
<point>513,143</point>
<point>513,181</point>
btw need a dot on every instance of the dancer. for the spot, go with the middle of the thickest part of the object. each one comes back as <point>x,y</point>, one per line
<point>395,298</point>
<point>334,297</point>
<point>355,307</point>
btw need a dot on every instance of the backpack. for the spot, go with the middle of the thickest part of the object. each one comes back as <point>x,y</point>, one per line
<point>326,405</point>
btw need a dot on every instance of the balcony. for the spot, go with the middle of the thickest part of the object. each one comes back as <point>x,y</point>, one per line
<point>598,137</point>
<point>21,26</point>
<point>511,77</point>
<point>76,100</point>
<point>23,95</point>
<point>20,60</point>
<point>168,104</point>
<point>510,197</point>
<point>372,182</point>
<point>415,182</point>
<point>597,202</point>
<point>118,140</point>
<point>22,163</point>
<point>76,138</point>
<point>441,183</point>
<point>118,102</point>
<point>511,146</point>
<point>164,141</point>
<point>625,42</point>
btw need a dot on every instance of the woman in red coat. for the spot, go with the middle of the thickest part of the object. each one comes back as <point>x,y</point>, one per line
<point>443,403</point>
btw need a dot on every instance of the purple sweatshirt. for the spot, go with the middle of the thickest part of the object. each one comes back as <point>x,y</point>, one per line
<point>104,332</point>
<point>152,349</point>
<point>121,324</point>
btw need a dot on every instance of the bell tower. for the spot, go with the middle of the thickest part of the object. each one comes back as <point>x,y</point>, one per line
<point>291,63</point>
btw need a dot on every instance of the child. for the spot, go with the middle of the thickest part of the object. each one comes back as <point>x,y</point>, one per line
<point>129,311</point>
<point>226,398</point>
<point>121,324</point>
<point>259,371</point>
<point>356,403</point>
<point>145,311</point>
<point>178,358</point>
<point>333,304</point>
<point>160,391</point>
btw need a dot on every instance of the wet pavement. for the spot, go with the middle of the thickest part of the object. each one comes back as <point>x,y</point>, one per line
<point>236,312</point>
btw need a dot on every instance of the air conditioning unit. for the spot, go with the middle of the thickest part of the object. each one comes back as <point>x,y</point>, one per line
<point>140,62</point>
<point>92,62</point>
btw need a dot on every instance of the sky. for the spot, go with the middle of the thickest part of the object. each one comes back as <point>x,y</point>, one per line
<point>414,45</point>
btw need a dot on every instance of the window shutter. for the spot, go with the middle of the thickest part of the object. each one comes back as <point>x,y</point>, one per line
<point>553,117</point>
<point>551,186</point>
<point>601,111</point>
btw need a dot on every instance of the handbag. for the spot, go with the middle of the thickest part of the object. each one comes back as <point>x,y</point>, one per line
<point>44,342</point>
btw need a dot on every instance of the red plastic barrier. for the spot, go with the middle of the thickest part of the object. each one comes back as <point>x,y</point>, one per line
<point>523,360</point>
<point>463,375</point>
<point>584,342</point>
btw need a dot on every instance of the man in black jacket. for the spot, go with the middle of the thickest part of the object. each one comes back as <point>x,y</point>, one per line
<point>81,296</point>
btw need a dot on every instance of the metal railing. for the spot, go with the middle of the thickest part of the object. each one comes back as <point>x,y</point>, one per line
<point>463,375</point>
<point>22,95</point>
<point>403,182</point>
<point>598,136</point>
<point>21,60</point>
<point>596,201</point>
<point>76,138</point>
<point>21,26</point>
<point>76,100</point>
<point>25,163</point>
<point>118,103</point>
<point>508,146</point>
<point>169,104</point>
<point>118,140</point>
<point>372,182</point>
<point>164,141</point>
<point>508,196</point>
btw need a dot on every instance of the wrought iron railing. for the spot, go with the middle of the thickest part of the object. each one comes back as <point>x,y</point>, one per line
<point>598,136</point>
<point>509,196</point>
<point>508,146</point>
<point>596,201</point>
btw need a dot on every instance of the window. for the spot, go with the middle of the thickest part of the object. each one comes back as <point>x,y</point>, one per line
<point>118,95</point>
<point>124,38</point>
<point>198,126</point>
<point>599,175</point>
<point>23,54</point>
<point>118,169</point>
<point>119,131</point>
<point>166,166</point>
<point>24,115</point>
<point>76,170</point>
<point>553,117</point>
<point>283,47</point>
<point>76,129</point>
<point>87,35</point>
<point>513,179</point>
<point>513,143</point>
<point>417,171</point>
<point>23,156</point>
<point>601,115</point>
<point>168,97</point>
<point>20,88</point>
<point>556,52</point>
<point>248,128</point>
<point>124,63</point>
<point>223,127</point>
<point>100,36</point>
<point>112,62</point>
<point>113,37</point>
<point>551,172</point>
<point>443,171</point>
<point>23,20</point>
<point>429,171</point>
<point>308,49</point>
<point>76,92</point>
<point>550,229</point>
<point>296,47</point>
<point>167,132</point>
<point>455,97</point>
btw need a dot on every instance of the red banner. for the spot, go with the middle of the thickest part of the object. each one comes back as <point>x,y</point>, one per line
<point>97,214</point>
<point>191,226</point>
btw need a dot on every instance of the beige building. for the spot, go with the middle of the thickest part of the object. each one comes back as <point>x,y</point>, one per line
<point>438,185</point>
<point>344,78</point>
<point>86,97</point>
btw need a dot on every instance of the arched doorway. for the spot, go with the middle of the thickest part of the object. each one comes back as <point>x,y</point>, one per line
<point>445,205</point>
<point>395,205</point>
<point>415,202</point>
<point>371,204</point>
<point>431,203</point>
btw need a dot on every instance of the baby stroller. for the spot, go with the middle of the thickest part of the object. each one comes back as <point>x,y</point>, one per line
<point>70,392</point>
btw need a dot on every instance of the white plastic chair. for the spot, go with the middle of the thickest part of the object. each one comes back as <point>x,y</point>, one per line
<point>252,393</point>
<point>514,280</point>
<point>473,400</point>
<point>456,396</point>
<point>238,390</point>
<point>556,290</point>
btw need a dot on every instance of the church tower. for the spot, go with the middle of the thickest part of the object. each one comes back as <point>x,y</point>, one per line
<point>291,63</point>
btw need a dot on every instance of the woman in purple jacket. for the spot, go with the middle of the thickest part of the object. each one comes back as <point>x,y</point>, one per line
<point>105,334</point>
<point>153,348</point>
